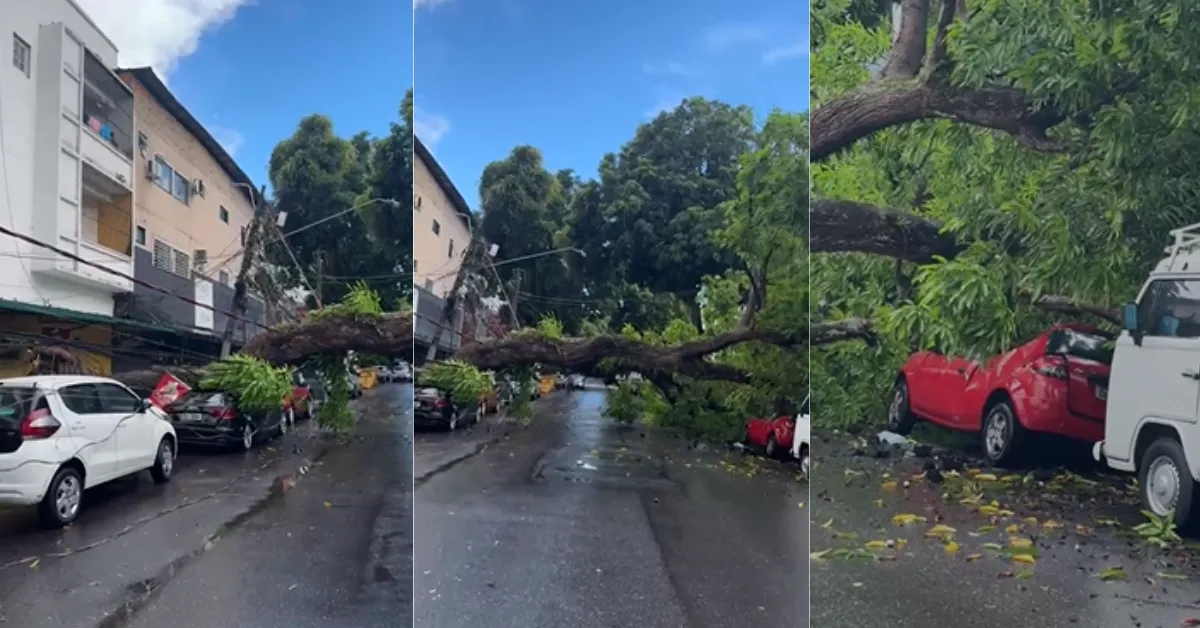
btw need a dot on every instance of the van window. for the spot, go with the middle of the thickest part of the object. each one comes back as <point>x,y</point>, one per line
<point>1170,308</point>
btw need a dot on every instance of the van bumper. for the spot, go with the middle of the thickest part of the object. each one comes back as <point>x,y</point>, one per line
<point>1098,451</point>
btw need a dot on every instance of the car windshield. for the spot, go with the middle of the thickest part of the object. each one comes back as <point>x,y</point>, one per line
<point>1094,346</point>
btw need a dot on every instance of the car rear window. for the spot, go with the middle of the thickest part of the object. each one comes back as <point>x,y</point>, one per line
<point>1093,346</point>
<point>202,399</point>
<point>16,403</point>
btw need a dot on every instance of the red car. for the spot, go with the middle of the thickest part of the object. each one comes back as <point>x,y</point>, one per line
<point>773,436</point>
<point>1056,383</point>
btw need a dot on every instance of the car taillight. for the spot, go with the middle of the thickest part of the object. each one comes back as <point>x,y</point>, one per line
<point>1051,366</point>
<point>223,414</point>
<point>440,403</point>
<point>38,425</point>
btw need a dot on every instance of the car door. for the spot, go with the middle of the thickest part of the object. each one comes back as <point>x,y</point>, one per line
<point>1158,381</point>
<point>93,431</point>
<point>924,377</point>
<point>135,429</point>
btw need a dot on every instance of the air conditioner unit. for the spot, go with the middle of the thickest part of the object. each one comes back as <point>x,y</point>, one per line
<point>151,172</point>
<point>200,259</point>
<point>198,187</point>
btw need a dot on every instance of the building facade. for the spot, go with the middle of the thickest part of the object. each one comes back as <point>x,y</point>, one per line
<point>441,225</point>
<point>68,166</point>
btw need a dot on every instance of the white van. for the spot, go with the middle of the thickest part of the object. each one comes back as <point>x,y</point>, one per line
<point>1154,389</point>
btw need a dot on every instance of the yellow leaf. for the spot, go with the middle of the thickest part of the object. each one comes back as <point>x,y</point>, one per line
<point>951,547</point>
<point>879,502</point>
<point>1024,559</point>
<point>1010,478</point>
<point>900,543</point>
<point>827,524</point>
<point>904,519</point>
<point>988,511</point>
<point>940,530</point>
<point>996,547</point>
<point>329,504</point>
<point>1051,525</point>
<point>973,472</point>
<point>1004,512</point>
<point>35,563</point>
<point>1032,521</point>
<point>801,504</point>
<point>1113,573</point>
<point>986,529</point>
<point>890,485</point>
<point>877,545</point>
<point>1020,543</point>
<point>821,554</point>
<point>973,557</point>
<point>985,477</point>
<point>1013,528</point>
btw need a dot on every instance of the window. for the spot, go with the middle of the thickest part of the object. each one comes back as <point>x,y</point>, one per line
<point>170,259</point>
<point>1097,347</point>
<point>117,399</point>
<point>224,215</point>
<point>437,228</point>
<point>81,399</point>
<point>450,250</point>
<point>22,55</point>
<point>223,277</point>
<point>181,189</point>
<point>1171,308</point>
<point>140,236</point>
<point>171,181</point>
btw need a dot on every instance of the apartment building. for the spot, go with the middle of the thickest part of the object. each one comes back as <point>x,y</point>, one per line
<point>67,128</point>
<point>193,205</point>
<point>441,231</point>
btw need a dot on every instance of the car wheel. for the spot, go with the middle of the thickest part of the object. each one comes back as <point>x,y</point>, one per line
<point>164,462</point>
<point>1002,434</point>
<point>63,499</point>
<point>900,419</point>
<point>247,442</point>
<point>772,447</point>
<point>1166,483</point>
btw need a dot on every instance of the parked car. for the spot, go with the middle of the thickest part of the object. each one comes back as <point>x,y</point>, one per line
<point>58,437</point>
<point>403,372</point>
<point>801,437</point>
<point>772,435</point>
<point>434,409</point>
<point>215,419</point>
<point>1152,426</point>
<point>301,401</point>
<point>576,382</point>
<point>1056,383</point>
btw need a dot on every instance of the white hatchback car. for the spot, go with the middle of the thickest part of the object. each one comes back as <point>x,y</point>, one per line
<point>801,438</point>
<point>62,434</point>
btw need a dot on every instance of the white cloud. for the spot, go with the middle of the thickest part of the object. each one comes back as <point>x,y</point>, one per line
<point>722,38</point>
<point>159,33</point>
<point>670,68</point>
<point>428,4</point>
<point>229,139</point>
<point>429,127</point>
<point>785,53</point>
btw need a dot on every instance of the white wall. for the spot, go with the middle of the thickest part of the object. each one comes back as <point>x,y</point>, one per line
<point>17,107</point>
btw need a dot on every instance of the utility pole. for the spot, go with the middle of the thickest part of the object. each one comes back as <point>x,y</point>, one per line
<point>451,301</point>
<point>249,253</point>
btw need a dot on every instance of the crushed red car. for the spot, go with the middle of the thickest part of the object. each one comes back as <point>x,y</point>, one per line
<point>1056,383</point>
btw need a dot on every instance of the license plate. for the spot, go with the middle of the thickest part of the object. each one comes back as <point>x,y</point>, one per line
<point>191,417</point>
<point>1102,393</point>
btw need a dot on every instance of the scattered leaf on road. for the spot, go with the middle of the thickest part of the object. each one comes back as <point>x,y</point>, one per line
<point>1172,576</point>
<point>877,545</point>
<point>1024,559</point>
<point>940,531</point>
<point>951,547</point>
<point>1020,542</point>
<point>973,557</point>
<point>1113,573</point>
<point>890,485</point>
<point>904,519</point>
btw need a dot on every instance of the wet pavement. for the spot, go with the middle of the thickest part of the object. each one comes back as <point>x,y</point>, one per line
<point>436,450</point>
<point>933,539</point>
<point>335,551</point>
<point>572,521</point>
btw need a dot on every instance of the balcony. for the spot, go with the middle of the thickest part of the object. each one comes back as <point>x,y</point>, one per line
<point>107,141</point>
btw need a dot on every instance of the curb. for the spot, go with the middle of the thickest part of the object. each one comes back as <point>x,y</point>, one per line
<point>140,594</point>
<point>453,462</point>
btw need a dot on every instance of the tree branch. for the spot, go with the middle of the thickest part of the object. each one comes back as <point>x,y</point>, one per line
<point>848,226</point>
<point>1066,305</point>
<point>389,335</point>
<point>838,331</point>
<point>908,50</point>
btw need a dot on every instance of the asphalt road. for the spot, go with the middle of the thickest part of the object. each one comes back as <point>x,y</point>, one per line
<point>877,566</point>
<point>335,551</point>
<point>573,522</point>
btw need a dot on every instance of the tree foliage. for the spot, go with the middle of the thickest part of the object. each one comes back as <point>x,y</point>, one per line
<point>1033,154</point>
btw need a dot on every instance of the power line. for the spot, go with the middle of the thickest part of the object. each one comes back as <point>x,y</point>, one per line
<point>141,282</point>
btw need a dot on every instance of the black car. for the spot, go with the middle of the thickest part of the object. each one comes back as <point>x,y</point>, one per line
<point>434,409</point>
<point>213,418</point>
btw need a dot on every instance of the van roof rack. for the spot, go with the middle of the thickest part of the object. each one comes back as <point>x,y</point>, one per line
<point>1186,240</point>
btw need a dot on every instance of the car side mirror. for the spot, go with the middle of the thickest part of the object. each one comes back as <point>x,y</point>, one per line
<point>1129,317</point>
<point>145,405</point>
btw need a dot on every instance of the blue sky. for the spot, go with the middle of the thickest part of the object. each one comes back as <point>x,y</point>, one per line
<point>250,69</point>
<point>575,78</point>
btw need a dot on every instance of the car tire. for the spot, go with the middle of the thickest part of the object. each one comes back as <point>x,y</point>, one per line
<point>164,462</point>
<point>69,482</point>
<point>1166,456</point>
<point>1003,435</point>
<point>900,419</point>
<point>246,443</point>
<point>772,448</point>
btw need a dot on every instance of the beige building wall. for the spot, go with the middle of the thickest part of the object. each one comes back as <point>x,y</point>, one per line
<point>437,250</point>
<point>197,224</point>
